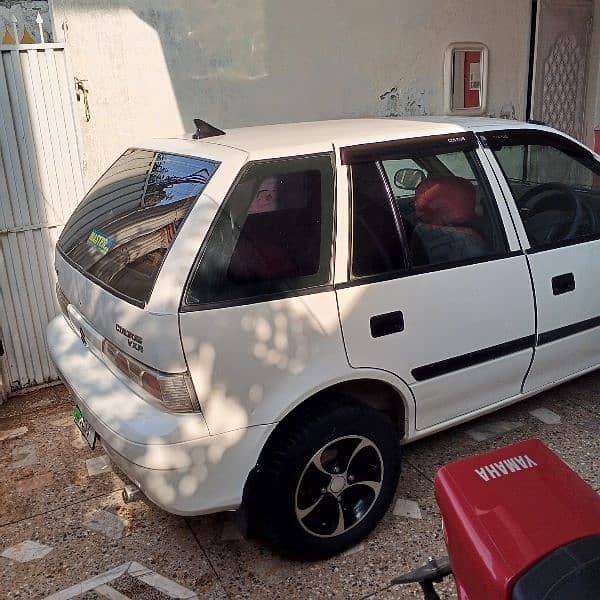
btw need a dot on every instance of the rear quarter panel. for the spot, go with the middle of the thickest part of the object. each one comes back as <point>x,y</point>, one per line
<point>158,323</point>
<point>252,364</point>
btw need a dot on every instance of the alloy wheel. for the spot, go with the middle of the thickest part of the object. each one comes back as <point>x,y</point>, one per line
<point>339,486</point>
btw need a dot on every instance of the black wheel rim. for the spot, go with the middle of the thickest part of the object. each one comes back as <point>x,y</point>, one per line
<point>339,486</point>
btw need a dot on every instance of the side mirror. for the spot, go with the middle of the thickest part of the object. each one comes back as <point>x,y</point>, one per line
<point>408,179</point>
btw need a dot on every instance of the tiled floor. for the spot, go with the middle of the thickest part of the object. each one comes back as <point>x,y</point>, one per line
<point>64,530</point>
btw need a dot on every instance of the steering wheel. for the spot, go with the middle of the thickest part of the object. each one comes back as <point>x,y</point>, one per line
<point>542,199</point>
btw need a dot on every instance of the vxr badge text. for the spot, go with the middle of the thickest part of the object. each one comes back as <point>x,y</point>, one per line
<point>133,340</point>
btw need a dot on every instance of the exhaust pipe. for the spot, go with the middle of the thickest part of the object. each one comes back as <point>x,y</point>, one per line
<point>131,493</point>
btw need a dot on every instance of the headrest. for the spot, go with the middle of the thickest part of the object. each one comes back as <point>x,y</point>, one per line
<point>445,200</point>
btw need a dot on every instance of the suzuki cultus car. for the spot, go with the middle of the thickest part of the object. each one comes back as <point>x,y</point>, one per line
<point>257,319</point>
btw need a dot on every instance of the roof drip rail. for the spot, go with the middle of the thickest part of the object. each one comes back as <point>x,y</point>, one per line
<point>204,130</point>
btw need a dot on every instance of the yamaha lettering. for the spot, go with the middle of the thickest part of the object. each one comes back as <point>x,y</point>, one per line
<point>133,340</point>
<point>505,467</point>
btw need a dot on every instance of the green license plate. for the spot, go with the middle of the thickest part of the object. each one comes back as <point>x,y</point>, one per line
<point>86,430</point>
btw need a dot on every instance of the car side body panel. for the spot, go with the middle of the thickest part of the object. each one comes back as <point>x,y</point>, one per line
<point>568,318</point>
<point>252,363</point>
<point>449,314</point>
<point>560,316</point>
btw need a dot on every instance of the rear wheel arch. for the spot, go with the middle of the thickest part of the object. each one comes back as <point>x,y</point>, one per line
<point>280,485</point>
<point>373,393</point>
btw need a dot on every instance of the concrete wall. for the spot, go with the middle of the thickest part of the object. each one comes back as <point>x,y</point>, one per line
<point>152,66</point>
<point>26,11</point>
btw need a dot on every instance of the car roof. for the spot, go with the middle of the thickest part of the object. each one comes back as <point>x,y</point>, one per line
<point>291,139</point>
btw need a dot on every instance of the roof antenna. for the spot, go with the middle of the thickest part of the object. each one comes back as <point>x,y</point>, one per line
<point>204,130</point>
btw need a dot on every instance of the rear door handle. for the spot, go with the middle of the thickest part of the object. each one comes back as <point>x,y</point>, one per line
<point>387,324</point>
<point>561,284</point>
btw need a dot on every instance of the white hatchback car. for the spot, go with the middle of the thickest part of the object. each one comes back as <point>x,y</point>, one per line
<point>256,318</point>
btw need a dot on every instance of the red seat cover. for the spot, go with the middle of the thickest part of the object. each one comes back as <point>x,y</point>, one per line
<point>445,200</point>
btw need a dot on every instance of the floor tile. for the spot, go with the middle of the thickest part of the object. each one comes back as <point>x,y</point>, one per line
<point>99,465</point>
<point>40,469</point>
<point>26,551</point>
<point>163,543</point>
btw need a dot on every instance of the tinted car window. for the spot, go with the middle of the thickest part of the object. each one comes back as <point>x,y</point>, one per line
<point>121,232</point>
<point>450,217</point>
<point>376,236</point>
<point>555,184</point>
<point>404,165</point>
<point>273,234</point>
<point>454,216</point>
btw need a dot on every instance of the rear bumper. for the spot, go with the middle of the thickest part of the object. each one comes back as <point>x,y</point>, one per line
<point>171,457</point>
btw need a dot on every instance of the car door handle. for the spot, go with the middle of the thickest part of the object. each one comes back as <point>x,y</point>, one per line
<point>387,323</point>
<point>561,284</point>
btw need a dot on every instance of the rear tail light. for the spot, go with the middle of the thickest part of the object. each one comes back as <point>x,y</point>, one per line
<point>174,391</point>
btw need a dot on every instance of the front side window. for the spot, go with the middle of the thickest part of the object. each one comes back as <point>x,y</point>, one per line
<point>449,216</point>
<point>121,232</point>
<point>273,235</point>
<point>555,184</point>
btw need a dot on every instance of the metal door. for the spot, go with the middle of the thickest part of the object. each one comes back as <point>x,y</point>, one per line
<point>460,334</point>
<point>40,184</point>
<point>564,269</point>
<point>561,64</point>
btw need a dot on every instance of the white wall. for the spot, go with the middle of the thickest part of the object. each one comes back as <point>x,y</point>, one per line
<point>152,66</point>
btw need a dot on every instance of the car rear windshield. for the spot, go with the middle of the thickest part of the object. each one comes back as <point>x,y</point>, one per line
<point>121,232</point>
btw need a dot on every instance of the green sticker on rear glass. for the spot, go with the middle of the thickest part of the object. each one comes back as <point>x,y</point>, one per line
<point>100,241</point>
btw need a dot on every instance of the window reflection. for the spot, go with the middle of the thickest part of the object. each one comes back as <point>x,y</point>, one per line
<point>122,231</point>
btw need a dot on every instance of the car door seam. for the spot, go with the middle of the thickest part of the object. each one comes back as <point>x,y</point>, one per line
<point>483,146</point>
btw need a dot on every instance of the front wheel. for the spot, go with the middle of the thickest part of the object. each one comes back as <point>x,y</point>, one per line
<point>327,480</point>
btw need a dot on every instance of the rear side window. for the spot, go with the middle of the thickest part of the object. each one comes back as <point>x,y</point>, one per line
<point>121,232</point>
<point>453,216</point>
<point>376,230</point>
<point>436,210</point>
<point>273,235</point>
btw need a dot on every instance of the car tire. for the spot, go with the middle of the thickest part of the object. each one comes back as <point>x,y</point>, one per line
<point>326,479</point>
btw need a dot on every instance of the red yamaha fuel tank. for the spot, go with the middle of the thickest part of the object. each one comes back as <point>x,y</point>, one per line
<point>506,510</point>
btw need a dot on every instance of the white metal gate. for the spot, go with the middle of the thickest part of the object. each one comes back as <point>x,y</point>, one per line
<point>40,183</point>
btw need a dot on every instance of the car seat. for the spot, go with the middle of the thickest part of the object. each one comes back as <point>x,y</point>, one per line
<point>283,243</point>
<point>445,208</point>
